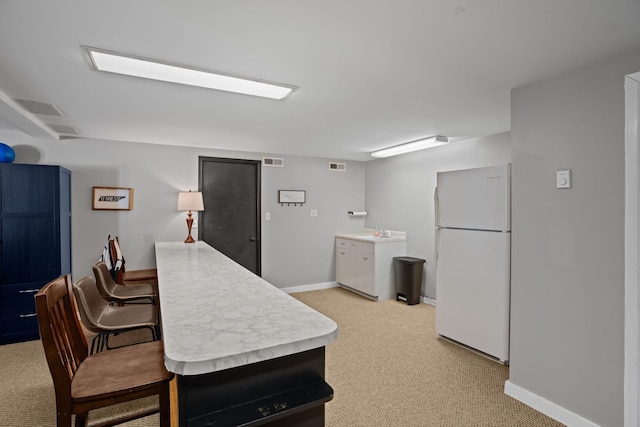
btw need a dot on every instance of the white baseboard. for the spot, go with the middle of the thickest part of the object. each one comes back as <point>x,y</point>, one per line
<point>548,408</point>
<point>311,287</point>
<point>428,300</point>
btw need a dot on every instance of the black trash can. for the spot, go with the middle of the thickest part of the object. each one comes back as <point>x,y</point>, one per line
<point>408,275</point>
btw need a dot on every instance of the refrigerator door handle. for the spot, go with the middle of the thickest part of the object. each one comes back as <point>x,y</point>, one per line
<point>436,250</point>
<point>436,206</point>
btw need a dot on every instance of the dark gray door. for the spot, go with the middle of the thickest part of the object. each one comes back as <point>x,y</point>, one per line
<point>230,221</point>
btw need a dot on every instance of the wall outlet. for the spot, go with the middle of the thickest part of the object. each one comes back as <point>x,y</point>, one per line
<point>563,178</point>
<point>314,212</point>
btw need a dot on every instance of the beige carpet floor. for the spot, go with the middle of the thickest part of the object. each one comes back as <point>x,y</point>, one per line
<point>26,393</point>
<point>387,369</point>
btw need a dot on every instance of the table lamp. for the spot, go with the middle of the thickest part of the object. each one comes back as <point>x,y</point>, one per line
<point>190,201</point>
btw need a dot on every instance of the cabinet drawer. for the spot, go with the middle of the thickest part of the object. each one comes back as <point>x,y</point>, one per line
<point>18,320</point>
<point>345,243</point>
<point>18,328</point>
<point>18,299</point>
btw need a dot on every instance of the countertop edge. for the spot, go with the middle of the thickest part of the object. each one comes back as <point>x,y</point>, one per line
<point>365,238</point>
<point>254,356</point>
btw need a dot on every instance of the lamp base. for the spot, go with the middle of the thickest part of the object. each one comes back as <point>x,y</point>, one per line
<point>189,239</point>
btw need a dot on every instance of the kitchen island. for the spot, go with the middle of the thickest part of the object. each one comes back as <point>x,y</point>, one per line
<point>243,351</point>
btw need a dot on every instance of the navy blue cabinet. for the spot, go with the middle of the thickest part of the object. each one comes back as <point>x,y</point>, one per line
<point>35,241</point>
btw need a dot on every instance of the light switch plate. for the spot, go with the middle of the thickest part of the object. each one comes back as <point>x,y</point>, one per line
<point>563,178</point>
<point>267,216</point>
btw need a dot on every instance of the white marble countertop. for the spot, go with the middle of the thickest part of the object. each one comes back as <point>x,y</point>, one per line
<point>368,236</point>
<point>218,315</point>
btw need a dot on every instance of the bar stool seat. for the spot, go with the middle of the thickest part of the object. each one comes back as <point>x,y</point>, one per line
<point>103,319</point>
<point>113,292</point>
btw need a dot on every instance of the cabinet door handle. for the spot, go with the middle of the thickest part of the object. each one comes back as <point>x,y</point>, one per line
<point>28,315</point>
<point>342,253</point>
<point>28,291</point>
<point>365,258</point>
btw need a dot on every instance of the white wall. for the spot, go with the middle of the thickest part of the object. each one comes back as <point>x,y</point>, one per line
<point>300,249</point>
<point>567,291</point>
<point>400,190</point>
<point>297,249</point>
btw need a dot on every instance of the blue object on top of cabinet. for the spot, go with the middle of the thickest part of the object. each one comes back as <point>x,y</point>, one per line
<point>7,155</point>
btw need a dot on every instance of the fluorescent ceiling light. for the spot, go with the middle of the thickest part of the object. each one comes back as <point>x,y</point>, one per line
<point>113,62</point>
<point>420,144</point>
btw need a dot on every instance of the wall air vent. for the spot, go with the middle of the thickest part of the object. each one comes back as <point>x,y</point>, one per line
<point>340,167</point>
<point>274,162</point>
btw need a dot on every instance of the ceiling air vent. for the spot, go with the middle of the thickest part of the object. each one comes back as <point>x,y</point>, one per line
<point>35,107</point>
<point>274,162</point>
<point>340,167</point>
<point>64,130</point>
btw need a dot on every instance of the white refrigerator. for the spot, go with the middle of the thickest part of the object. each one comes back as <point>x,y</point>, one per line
<point>473,258</point>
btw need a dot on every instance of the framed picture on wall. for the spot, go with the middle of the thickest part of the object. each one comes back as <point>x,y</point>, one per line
<point>112,199</point>
<point>291,196</point>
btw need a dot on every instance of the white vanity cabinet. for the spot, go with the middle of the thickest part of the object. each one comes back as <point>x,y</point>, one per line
<point>365,264</point>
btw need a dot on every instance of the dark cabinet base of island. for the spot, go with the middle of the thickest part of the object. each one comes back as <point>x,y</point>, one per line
<point>286,391</point>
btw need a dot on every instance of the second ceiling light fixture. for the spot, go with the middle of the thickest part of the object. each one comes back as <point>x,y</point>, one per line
<point>408,147</point>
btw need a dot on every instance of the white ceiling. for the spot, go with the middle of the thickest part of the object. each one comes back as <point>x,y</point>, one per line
<point>370,73</point>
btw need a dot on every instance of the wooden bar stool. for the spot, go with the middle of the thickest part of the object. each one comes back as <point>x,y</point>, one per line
<point>131,277</point>
<point>85,382</point>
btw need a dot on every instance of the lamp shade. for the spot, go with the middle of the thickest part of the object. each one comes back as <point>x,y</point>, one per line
<point>190,201</point>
